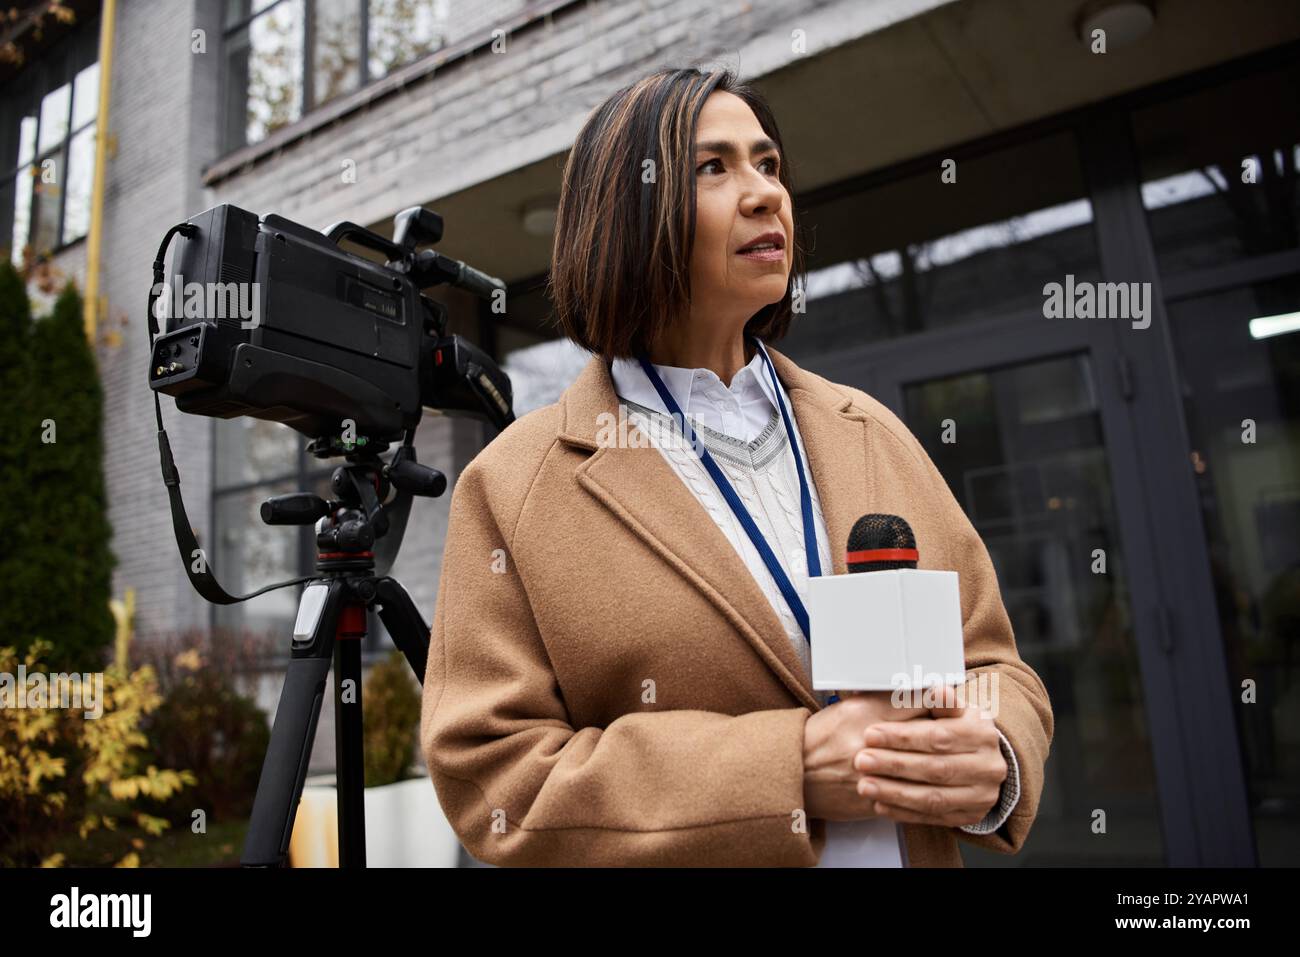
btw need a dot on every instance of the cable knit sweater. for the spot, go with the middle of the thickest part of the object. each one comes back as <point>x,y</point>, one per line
<point>742,428</point>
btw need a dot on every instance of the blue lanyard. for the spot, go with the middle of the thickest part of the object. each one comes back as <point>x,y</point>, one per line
<point>742,514</point>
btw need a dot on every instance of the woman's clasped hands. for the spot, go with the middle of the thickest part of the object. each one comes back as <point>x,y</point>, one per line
<point>866,757</point>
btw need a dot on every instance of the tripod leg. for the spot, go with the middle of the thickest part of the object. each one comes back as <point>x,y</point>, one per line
<point>283,771</point>
<point>280,787</point>
<point>349,752</point>
<point>405,626</point>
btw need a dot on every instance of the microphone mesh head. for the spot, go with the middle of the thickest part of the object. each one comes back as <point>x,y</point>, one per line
<point>873,532</point>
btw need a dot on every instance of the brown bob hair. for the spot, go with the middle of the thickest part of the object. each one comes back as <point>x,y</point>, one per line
<point>625,228</point>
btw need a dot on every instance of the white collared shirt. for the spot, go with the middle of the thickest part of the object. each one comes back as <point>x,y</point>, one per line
<point>741,409</point>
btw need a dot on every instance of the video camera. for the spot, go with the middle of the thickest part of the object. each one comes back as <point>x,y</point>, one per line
<point>271,319</point>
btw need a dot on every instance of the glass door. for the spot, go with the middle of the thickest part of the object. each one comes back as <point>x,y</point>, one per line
<point>1015,416</point>
<point>1027,461</point>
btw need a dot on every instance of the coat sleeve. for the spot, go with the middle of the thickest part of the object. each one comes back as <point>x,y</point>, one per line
<point>1023,711</point>
<point>521,786</point>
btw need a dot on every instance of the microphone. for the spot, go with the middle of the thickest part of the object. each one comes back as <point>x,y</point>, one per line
<point>885,624</point>
<point>878,543</point>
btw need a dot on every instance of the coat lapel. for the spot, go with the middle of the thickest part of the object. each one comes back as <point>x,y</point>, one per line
<point>642,491</point>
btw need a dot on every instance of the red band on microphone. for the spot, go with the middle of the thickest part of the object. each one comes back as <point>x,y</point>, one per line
<point>882,555</point>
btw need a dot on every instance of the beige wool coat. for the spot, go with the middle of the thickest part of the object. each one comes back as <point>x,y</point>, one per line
<point>607,684</point>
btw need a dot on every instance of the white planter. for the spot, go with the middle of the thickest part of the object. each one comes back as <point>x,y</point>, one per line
<point>405,827</point>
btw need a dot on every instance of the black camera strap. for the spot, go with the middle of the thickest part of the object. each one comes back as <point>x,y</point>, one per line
<point>193,557</point>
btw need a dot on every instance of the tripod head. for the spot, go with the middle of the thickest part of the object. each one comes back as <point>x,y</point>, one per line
<point>351,522</point>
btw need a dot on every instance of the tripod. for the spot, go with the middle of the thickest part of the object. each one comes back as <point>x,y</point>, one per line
<point>329,629</point>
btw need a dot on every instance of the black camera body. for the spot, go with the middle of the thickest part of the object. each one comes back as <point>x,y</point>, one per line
<point>271,319</point>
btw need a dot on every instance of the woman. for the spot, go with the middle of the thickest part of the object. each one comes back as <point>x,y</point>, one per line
<point>617,675</point>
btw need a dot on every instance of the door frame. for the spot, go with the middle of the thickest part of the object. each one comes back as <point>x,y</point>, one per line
<point>1156,470</point>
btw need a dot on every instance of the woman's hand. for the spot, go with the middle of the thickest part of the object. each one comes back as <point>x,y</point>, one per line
<point>946,772</point>
<point>832,738</point>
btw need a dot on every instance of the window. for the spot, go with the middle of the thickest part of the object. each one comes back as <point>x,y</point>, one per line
<point>47,148</point>
<point>914,254</point>
<point>1221,171</point>
<point>284,58</point>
